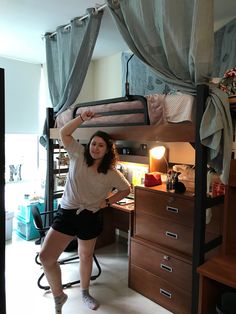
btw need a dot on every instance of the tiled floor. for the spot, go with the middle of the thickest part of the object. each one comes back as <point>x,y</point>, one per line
<point>110,288</point>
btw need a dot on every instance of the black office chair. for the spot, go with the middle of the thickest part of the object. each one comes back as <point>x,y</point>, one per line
<point>43,228</point>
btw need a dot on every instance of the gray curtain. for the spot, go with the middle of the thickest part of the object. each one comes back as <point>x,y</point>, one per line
<point>68,55</point>
<point>176,39</point>
<point>161,34</point>
<point>225,49</point>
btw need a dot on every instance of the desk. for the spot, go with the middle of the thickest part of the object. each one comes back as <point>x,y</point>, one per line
<point>116,217</point>
<point>216,276</point>
<point>123,217</point>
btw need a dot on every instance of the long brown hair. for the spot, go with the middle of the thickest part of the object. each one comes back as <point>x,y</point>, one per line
<point>110,158</point>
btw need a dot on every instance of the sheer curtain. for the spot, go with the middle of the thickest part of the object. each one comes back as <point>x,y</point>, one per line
<point>176,38</point>
<point>68,54</point>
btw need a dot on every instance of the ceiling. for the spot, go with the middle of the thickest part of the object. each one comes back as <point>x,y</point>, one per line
<point>23,23</point>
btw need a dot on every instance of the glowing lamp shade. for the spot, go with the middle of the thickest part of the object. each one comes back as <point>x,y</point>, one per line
<point>158,152</point>
<point>157,159</point>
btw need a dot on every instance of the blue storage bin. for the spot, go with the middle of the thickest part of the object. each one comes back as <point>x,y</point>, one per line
<point>25,225</point>
<point>26,230</point>
<point>25,210</point>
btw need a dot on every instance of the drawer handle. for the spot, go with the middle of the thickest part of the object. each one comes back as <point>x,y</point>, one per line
<point>166,268</point>
<point>165,293</point>
<point>172,235</point>
<point>172,209</point>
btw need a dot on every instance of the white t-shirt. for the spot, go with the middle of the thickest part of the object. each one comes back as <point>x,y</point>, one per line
<point>85,188</point>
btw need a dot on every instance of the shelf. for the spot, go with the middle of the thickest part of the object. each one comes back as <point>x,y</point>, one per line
<point>220,269</point>
<point>60,171</point>
<point>134,159</point>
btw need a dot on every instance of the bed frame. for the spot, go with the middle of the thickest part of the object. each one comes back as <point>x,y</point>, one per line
<point>178,132</point>
<point>167,132</point>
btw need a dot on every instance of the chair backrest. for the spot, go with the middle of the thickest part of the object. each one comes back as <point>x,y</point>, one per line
<point>38,222</point>
<point>37,218</point>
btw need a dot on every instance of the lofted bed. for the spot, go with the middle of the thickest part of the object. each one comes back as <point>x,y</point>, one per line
<point>186,131</point>
<point>136,118</point>
<point>182,67</point>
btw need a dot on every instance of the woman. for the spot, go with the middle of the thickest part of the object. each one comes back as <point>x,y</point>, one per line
<point>91,178</point>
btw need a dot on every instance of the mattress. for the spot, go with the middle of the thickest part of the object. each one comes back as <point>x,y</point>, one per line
<point>155,110</point>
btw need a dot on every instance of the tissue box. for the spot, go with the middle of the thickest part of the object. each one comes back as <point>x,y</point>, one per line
<point>152,179</point>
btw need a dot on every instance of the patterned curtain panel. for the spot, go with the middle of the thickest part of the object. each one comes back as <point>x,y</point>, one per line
<point>141,78</point>
<point>225,49</point>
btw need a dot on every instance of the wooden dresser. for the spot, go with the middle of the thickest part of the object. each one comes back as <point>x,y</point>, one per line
<point>160,265</point>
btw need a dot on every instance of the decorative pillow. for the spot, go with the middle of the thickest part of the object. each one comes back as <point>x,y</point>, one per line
<point>228,82</point>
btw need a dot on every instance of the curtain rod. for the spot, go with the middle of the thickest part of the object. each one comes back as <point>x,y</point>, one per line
<point>96,9</point>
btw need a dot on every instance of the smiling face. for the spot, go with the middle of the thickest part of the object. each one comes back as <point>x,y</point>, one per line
<point>97,148</point>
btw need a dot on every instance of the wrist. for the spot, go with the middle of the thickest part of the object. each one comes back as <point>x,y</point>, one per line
<point>81,118</point>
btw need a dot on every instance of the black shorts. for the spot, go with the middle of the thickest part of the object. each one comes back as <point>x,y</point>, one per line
<point>86,225</point>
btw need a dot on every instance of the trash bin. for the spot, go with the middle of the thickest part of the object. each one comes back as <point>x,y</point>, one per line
<point>9,221</point>
<point>227,303</point>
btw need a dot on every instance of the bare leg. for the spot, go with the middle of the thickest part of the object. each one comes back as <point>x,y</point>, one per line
<point>86,249</point>
<point>53,245</point>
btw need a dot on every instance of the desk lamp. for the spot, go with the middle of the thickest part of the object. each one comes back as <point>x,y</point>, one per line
<point>157,159</point>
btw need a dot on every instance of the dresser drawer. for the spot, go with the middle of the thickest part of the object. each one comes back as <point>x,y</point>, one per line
<point>163,232</point>
<point>162,264</point>
<point>170,206</point>
<point>160,291</point>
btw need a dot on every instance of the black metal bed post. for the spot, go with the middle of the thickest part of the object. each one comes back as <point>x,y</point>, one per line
<point>2,193</point>
<point>200,197</point>
<point>50,161</point>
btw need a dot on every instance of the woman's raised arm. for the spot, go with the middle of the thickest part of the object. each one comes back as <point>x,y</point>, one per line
<point>67,130</point>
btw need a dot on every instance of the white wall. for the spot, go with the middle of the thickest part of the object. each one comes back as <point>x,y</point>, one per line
<point>87,91</point>
<point>108,77</point>
<point>181,153</point>
<point>21,96</point>
<point>221,23</point>
<point>103,79</point>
